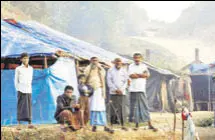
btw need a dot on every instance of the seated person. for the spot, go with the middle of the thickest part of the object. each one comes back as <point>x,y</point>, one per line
<point>67,110</point>
<point>85,92</point>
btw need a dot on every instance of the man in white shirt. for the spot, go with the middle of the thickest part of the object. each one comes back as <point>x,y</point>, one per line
<point>139,110</point>
<point>117,80</point>
<point>23,85</point>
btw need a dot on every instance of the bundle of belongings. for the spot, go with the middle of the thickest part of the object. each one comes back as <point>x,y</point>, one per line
<point>190,132</point>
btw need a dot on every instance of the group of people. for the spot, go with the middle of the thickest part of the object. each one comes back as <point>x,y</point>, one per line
<point>76,112</point>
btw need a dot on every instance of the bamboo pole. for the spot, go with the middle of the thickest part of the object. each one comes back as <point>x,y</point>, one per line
<point>45,62</point>
<point>174,125</point>
<point>77,66</point>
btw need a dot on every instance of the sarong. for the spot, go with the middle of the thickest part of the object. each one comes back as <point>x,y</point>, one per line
<point>98,118</point>
<point>24,107</point>
<point>97,109</point>
<point>118,109</point>
<point>139,110</point>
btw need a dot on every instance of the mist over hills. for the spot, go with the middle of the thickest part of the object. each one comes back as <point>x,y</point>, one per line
<point>195,22</point>
<point>122,27</point>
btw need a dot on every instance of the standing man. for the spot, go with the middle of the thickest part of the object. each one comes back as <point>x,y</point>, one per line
<point>117,80</point>
<point>139,110</point>
<point>23,85</point>
<point>96,78</point>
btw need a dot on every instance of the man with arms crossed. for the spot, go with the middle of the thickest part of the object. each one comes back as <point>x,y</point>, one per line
<point>139,110</point>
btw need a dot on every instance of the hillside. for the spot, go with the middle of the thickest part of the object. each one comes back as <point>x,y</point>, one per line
<point>110,25</point>
<point>195,22</point>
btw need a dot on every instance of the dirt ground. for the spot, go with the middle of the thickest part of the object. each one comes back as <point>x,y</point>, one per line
<point>163,121</point>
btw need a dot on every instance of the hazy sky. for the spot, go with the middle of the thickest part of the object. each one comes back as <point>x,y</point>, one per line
<point>167,11</point>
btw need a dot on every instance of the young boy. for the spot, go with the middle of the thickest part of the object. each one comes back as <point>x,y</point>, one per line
<point>23,85</point>
<point>85,92</point>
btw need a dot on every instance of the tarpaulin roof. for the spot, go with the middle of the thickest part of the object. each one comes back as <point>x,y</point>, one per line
<point>202,68</point>
<point>161,71</point>
<point>15,41</point>
<point>38,39</point>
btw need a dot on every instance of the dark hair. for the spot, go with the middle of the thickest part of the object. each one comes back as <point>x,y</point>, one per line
<point>24,55</point>
<point>137,54</point>
<point>117,59</point>
<point>81,75</point>
<point>68,88</point>
<point>93,58</point>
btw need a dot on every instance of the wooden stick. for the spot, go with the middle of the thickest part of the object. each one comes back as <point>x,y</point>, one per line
<point>182,129</point>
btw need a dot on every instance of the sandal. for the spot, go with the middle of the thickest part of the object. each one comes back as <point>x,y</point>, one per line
<point>108,130</point>
<point>135,129</point>
<point>18,128</point>
<point>153,128</point>
<point>30,126</point>
<point>124,128</point>
<point>94,129</point>
<point>71,128</point>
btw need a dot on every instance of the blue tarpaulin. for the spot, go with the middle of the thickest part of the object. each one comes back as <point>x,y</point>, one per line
<point>203,68</point>
<point>47,85</point>
<point>37,39</point>
<point>15,41</point>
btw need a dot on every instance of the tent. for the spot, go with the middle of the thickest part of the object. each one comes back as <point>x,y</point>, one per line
<point>40,40</point>
<point>203,86</point>
<point>159,90</point>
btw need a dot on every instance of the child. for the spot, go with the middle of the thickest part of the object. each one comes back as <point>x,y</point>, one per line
<point>85,92</point>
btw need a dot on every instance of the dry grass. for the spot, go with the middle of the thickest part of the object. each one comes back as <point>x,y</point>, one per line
<point>52,132</point>
<point>164,122</point>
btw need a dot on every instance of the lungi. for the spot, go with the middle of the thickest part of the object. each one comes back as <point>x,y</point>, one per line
<point>97,109</point>
<point>24,107</point>
<point>119,105</point>
<point>98,118</point>
<point>139,110</point>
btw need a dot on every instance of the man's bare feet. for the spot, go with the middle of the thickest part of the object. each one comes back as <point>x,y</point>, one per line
<point>63,128</point>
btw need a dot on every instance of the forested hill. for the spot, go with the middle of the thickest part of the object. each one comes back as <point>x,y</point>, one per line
<point>94,21</point>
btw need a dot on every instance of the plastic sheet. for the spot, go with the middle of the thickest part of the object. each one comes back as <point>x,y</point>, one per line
<point>47,85</point>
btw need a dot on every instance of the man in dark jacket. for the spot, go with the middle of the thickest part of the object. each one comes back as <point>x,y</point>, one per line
<point>67,110</point>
